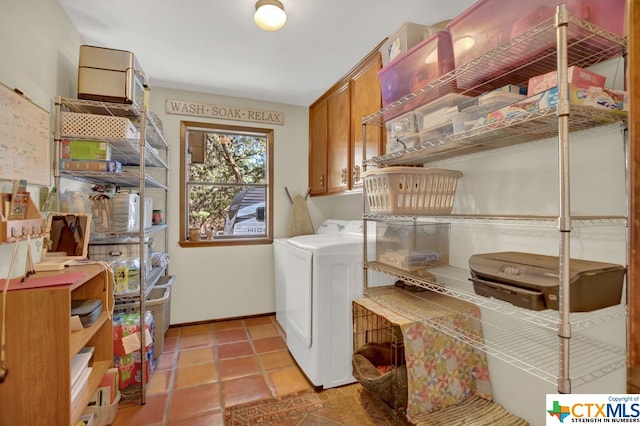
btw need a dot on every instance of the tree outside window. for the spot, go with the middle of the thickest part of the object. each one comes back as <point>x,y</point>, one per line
<point>226,196</point>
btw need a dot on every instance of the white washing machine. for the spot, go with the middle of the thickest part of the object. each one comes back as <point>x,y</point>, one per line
<point>322,276</point>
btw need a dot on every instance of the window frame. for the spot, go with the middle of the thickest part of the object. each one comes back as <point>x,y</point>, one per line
<point>185,126</point>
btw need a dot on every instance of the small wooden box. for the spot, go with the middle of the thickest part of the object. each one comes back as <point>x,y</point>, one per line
<point>33,224</point>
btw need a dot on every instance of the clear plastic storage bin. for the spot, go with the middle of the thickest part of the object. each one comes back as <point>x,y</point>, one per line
<point>412,246</point>
<point>415,69</point>
<point>408,35</point>
<point>402,128</point>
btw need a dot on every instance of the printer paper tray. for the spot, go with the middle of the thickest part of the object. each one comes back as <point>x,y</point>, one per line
<point>517,296</point>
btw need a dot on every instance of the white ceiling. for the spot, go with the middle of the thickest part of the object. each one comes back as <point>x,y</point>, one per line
<point>213,46</point>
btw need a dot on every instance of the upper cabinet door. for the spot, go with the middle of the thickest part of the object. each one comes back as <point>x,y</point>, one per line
<point>365,100</point>
<point>318,148</point>
<point>339,133</point>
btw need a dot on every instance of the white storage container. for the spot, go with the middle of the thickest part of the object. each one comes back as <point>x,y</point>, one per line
<point>437,113</point>
<point>109,249</point>
<point>401,132</point>
<point>125,213</point>
<point>408,35</point>
<point>105,414</point>
<point>78,125</point>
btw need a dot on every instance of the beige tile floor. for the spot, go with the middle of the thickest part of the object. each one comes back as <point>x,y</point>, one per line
<point>207,367</point>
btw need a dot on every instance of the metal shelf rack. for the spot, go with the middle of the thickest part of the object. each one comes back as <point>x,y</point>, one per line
<point>528,339</point>
<point>150,150</point>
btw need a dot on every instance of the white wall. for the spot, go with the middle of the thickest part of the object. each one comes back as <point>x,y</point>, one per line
<point>39,53</point>
<point>39,49</point>
<point>38,56</point>
<point>223,282</point>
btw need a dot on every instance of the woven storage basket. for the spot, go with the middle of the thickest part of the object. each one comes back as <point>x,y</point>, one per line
<point>411,190</point>
<point>391,387</point>
<point>79,125</point>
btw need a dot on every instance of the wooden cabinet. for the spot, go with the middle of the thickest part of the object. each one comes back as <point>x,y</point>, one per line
<point>365,100</point>
<point>335,129</point>
<point>40,346</point>
<point>318,148</point>
<point>338,139</point>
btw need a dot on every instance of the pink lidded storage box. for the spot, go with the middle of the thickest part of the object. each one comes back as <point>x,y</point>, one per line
<point>414,69</point>
<point>577,76</point>
<point>490,23</point>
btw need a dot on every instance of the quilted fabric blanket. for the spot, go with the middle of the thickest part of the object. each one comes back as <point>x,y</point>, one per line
<point>443,347</point>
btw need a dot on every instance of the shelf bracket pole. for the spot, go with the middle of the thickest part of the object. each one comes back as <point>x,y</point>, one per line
<point>365,233</point>
<point>564,220</point>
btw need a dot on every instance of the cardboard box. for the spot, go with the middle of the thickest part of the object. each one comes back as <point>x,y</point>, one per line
<point>592,97</point>
<point>579,77</point>
<point>477,116</point>
<point>600,98</point>
<point>84,150</point>
<point>94,166</point>
<point>110,75</point>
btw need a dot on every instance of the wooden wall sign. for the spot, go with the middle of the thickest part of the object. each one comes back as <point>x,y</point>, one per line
<point>225,112</point>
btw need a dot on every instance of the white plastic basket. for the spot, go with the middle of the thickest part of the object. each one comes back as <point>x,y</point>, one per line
<point>79,125</point>
<point>411,190</point>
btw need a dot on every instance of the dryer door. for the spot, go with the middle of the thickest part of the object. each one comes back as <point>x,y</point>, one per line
<point>299,294</point>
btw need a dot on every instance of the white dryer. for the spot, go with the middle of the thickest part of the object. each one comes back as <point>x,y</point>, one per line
<point>323,275</point>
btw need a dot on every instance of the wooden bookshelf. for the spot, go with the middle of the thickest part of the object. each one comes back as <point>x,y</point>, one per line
<point>40,345</point>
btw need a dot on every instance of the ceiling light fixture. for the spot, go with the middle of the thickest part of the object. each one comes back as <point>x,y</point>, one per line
<point>270,15</point>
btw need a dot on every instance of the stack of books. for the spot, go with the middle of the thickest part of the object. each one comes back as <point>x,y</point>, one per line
<point>80,372</point>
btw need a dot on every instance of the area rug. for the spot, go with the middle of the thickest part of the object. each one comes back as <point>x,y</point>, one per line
<point>347,405</point>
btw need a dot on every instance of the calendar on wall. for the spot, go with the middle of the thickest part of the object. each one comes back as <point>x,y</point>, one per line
<point>25,139</point>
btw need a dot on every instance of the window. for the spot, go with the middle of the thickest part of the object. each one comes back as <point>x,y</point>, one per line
<point>226,184</point>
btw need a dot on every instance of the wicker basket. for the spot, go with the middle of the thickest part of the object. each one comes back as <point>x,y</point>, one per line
<point>411,190</point>
<point>79,125</point>
<point>392,386</point>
